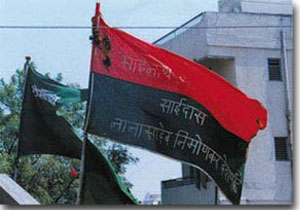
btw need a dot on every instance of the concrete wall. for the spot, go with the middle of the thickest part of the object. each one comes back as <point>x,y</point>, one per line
<point>256,6</point>
<point>230,5</point>
<point>183,41</point>
<point>12,194</point>
<point>263,34</point>
<point>223,67</point>
<point>186,170</point>
<point>189,195</point>
<point>267,6</point>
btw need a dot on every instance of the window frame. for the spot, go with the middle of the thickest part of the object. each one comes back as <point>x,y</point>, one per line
<point>278,154</point>
<point>280,78</point>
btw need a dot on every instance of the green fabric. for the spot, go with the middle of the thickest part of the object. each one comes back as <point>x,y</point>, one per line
<point>43,131</point>
<point>101,182</point>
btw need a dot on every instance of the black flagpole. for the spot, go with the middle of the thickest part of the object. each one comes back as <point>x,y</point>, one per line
<point>95,21</point>
<point>82,169</point>
<point>16,168</point>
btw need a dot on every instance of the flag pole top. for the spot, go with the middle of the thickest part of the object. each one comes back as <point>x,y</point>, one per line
<point>97,11</point>
<point>27,58</point>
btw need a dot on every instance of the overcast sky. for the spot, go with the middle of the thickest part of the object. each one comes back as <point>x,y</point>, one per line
<point>68,51</point>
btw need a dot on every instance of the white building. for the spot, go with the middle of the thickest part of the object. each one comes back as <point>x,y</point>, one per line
<point>193,188</point>
<point>151,199</point>
<point>250,43</point>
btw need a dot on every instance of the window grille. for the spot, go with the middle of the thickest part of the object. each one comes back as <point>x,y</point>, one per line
<point>274,69</point>
<point>281,149</point>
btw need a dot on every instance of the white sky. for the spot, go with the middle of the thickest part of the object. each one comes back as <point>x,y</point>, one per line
<point>68,51</point>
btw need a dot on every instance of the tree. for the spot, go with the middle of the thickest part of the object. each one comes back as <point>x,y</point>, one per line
<point>47,177</point>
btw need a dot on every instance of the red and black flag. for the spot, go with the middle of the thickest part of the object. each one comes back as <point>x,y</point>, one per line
<point>145,96</point>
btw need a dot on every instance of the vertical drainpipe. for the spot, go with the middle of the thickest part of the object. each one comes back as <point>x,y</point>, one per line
<point>288,97</point>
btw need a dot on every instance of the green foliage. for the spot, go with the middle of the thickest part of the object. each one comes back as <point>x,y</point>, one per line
<point>46,177</point>
<point>120,157</point>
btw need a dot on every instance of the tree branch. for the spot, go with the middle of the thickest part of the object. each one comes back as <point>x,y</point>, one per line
<point>64,190</point>
<point>12,145</point>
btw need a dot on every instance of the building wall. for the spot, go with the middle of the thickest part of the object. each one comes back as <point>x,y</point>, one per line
<point>266,181</point>
<point>178,43</point>
<point>267,6</point>
<point>260,172</point>
<point>189,195</point>
<point>223,67</point>
<point>229,5</point>
<point>256,6</point>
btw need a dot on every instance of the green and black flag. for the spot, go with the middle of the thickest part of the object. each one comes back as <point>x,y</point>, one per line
<point>145,96</point>
<point>101,184</point>
<point>44,131</point>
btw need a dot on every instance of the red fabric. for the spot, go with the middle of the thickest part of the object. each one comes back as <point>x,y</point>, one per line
<point>138,62</point>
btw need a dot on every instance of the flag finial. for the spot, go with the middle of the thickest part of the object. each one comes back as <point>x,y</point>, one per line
<point>97,8</point>
<point>27,58</point>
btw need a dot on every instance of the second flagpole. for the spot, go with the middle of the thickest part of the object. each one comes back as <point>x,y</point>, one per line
<point>95,22</point>
<point>16,168</point>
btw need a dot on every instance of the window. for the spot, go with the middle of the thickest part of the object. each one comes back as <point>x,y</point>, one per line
<point>281,149</point>
<point>274,69</point>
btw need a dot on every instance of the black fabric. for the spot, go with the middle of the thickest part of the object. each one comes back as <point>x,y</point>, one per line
<point>129,113</point>
<point>42,130</point>
<point>101,183</point>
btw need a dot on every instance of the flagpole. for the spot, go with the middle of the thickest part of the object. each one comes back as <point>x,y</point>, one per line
<point>16,168</point>
<point>82,169</point>
<point>95,22</point>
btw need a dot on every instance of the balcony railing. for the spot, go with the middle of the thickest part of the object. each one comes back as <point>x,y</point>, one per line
<point>177,182</point>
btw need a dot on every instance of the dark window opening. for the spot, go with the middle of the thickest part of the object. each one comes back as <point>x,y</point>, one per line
<point>274,69</point>
<point>281,148</point>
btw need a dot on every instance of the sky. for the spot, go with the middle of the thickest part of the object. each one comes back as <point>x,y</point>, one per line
<point>68,51</point>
